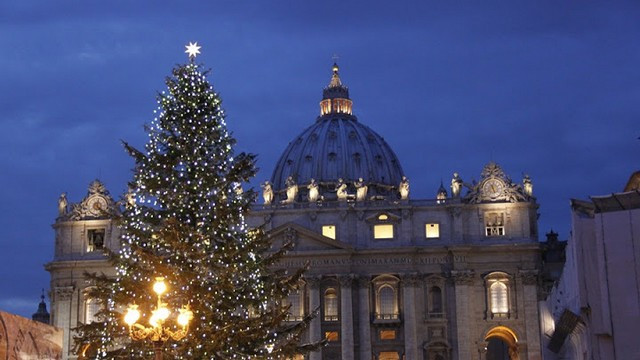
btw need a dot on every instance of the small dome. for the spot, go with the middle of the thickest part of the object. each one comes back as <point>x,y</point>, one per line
<point>337,147</point>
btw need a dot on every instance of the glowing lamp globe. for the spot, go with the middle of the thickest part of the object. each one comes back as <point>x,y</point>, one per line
<point>185,316</point>
<point>159,287</point>
<point>132,316</point>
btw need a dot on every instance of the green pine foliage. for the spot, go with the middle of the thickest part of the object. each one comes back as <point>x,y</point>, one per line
<point>187,224</point>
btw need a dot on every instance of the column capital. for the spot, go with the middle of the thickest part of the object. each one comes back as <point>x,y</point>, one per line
<point>63,292</point>
<point>411,279</point>
<point>313,282</point>
<point>462,277</point>
<point>529,277</point>
<point>364,282</point>
<point>346,280</point>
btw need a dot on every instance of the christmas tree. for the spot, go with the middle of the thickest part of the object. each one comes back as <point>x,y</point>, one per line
<point>184,220</point>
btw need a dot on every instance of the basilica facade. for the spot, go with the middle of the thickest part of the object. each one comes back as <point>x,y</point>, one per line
<point>390,276</point>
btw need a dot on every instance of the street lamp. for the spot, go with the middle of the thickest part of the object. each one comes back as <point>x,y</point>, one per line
<point>157,332</point>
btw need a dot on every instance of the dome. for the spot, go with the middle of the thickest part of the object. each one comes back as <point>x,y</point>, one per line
<point>337,146</point>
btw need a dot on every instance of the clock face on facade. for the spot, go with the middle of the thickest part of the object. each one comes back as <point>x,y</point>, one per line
<point>96,205</point>
<point>493,188</point>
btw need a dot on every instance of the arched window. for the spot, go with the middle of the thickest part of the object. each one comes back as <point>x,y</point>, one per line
<point>296,300</point>
<point>387,296</point>
<point>91,309</point>
<point>499,298</point>
<point>330,305</point>
<point>498,285</point>
<point>436,301</point>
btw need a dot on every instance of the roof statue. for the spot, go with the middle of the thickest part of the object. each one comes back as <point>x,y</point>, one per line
<point>403,188</point>
<point>267,193</point>
<point>313,191</point>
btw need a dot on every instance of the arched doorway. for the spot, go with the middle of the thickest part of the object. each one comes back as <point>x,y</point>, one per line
<point>502,344</point>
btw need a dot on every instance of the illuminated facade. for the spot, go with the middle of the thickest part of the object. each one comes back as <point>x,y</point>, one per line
<point>392,277</point>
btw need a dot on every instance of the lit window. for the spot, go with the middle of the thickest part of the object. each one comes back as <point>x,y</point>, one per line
<point>329,231</point>
<point>387,303</point>
<point>498,285</point>
<point>387,334</point>
<point>383,217</point>
<point>95,240</point>
<point>432,231</point>
<point>330,305</point>
<point>499,298</point>
<point>383,231</point>
<point>494,224</point>
<point>91,309</point>
<point>296,301</point>
<point>389,355</point>
<point>332,336</point>
<point>386,297</point>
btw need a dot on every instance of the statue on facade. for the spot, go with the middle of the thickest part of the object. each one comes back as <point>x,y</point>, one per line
<point>130,198</point>
<point>292,190</point>
<point>314,193</point>
<point>403,188</point>
<point>527,185</point>
<point>62,204</point>
<point>361,190</point>
<point>341,190</point>
<point>267,192</point>
<point>237,188</point>
<point>456,185</point>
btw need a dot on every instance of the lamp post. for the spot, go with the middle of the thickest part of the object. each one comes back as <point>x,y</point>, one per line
<point>157,332</point>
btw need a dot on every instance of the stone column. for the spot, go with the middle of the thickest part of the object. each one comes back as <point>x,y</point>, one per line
<point>62,320</point>
<point>463,280</point>
<point>530,306</point>
<point>315,333</point>
<point>409,284</point>
<point>346,317</point>
<point>364,315</point>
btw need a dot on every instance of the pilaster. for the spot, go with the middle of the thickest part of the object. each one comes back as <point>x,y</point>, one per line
<point>532,326</point>
<point>409,284</point>
<point>346,317</point>
<point>463,279</point>
<point>364,315</point>
<point>315,333</point>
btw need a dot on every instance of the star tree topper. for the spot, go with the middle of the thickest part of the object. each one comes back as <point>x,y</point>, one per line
<point>193,49</point>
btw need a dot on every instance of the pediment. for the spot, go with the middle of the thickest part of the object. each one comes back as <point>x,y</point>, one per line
<point>304,239</point>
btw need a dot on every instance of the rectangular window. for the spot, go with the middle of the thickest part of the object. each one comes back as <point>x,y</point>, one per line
<point>494,224</point>
<point>387,334</point>
<point>383,231</point>
<point>329,231</point>
<point>95,240</point>
<point>332,336</point>
<point>432,231</point>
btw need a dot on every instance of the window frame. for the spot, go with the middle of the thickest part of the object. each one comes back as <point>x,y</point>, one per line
<point>89,245</point>
<point>495,231</point>
<point>335,231</point>
<point>426,231</point>
<point>491,281</point>
<point>301,289</point>
<point>332,317</point>
<point>382,282</point>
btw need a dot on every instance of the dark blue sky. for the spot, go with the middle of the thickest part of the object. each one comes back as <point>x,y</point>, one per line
<point>546,88</point>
